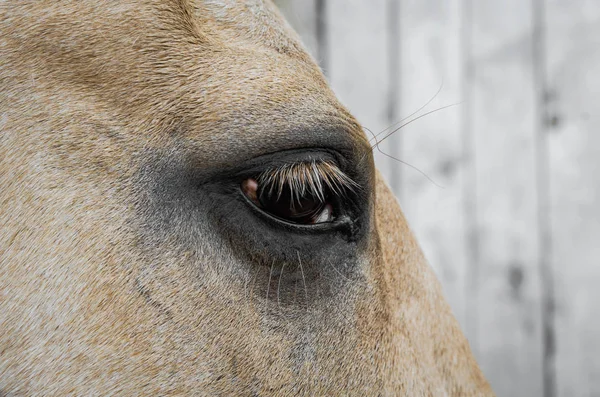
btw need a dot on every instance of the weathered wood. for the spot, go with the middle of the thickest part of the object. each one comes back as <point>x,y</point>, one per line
<point>573,134</point>
<point>358,63</point>
<point>430,54</point>
<point>505,285</point>
<point>516,226</point>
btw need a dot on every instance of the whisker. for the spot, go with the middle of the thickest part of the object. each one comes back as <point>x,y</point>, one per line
<point>403,162</point>
<point>415,119</point>
<point>248,292</point>
<point>269,285</point>
<point>303,279</point>
<point>338,272</point>
<point>414,168</point>
<point>279,284</point>
<point>412,114</point>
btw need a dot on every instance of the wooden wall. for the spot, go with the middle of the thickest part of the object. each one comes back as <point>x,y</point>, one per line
<point>511,221</point>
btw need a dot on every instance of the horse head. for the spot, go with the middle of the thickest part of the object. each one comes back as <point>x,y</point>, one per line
<point>186,208</point>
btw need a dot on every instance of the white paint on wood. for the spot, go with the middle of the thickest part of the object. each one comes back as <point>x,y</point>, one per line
<point>573,101</point>
<point>505,289</point>
<point>430,54</point>
<point>358,63</point>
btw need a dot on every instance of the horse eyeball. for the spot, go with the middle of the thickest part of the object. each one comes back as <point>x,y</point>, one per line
<point>326,215</point>
<point>307,208</point>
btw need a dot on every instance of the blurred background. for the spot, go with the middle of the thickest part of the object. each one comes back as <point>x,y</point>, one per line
<point>502,189</point>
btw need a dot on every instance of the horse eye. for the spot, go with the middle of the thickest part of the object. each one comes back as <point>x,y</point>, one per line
<point>304,208</point>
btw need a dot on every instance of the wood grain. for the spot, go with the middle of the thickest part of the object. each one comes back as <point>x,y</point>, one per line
<point>430,52</point>
<point>358,64</point>
<point>573,134</point>
<point>505,285</point>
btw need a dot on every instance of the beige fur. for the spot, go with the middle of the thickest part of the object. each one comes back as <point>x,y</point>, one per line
<point>108,288</point>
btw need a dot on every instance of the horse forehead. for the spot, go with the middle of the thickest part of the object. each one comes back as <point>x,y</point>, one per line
<point>250,22</point>
<point>254,23</point>
<point>229,10</point>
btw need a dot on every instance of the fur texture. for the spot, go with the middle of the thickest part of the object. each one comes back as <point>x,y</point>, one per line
<point>126,270</point>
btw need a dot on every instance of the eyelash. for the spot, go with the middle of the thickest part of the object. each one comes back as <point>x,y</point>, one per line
<point>309,177</point>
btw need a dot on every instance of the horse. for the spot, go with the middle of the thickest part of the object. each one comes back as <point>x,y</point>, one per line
<point>187,209</point>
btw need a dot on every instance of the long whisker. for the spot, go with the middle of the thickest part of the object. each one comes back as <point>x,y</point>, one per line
<point>279,284</point>
<point>303,279</point>
<point>412,114</point>
<point>414,168</point>
<point>338,272</point>
<point>269,285</point>
<point>403,162</point>
<point>415,119</point>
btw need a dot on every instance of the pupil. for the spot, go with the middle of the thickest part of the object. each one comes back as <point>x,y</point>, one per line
<point>304,209</point>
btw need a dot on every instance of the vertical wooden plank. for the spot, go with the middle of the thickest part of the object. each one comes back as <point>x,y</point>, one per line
<point>506,295</point>
<point>573,135</point>
<point>358,63</point>
<point>430,54</point>
<point>545,263</point>
<point>302,15</point>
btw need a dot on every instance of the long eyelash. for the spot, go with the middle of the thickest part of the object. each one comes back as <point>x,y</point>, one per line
<point>313,177</point>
